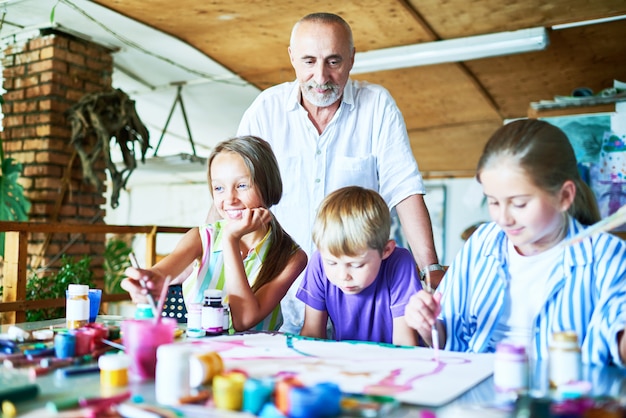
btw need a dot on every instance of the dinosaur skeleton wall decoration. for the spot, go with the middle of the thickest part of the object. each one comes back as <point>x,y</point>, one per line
<point>98,118</point>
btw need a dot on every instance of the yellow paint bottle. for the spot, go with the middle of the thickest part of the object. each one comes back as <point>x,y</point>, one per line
<point>228,390</point>
<point>114,370</point>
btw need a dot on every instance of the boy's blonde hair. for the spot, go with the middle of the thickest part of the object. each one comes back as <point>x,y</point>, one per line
<point>351,220</point>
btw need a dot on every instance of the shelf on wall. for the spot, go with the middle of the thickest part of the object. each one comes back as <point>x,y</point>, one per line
<point>574,107</point>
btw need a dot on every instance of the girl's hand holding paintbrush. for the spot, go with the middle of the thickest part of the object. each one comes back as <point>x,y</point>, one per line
<point>142,284</point>
<point>145,285</point>
<point>421,314</point>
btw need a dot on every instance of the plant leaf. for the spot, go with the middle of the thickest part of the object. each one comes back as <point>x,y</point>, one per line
<point>52,12</point>
<point>13,204</point>
<point>115,262</point>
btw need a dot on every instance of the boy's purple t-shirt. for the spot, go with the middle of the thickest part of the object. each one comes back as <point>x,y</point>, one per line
<point>367,316</point>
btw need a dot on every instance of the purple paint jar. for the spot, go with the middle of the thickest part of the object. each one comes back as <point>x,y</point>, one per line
<point>510,369</point>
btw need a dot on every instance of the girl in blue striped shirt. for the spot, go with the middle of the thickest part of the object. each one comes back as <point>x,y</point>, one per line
<point>513,280</point>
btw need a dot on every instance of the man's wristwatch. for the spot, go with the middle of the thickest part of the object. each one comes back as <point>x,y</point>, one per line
<point>429,268</point>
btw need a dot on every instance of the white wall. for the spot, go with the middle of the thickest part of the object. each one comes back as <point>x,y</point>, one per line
<point>182,204</point>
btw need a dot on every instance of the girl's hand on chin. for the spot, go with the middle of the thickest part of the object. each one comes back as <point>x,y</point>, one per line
<point>262,215</point>
<point>251,220</point>
<point>255,218</point>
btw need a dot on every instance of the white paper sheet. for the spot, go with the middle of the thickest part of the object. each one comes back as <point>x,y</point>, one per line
<point>409,374</point>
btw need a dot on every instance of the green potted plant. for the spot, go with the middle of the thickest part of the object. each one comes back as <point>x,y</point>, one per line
<point>14,206</point>
<point>53,286</point>
<point>115,262</point>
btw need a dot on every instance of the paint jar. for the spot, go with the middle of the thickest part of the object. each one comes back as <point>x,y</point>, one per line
<point>281,393</point>
<point>303,403</point>
<point>226,324</point>
<point>172,373</point>
<point>510,369</point>
<point>95,297</point>
<point>141,339</point>
<point>100,332</point>
<point>77,306</point>
<point>203,367</point>
<point>228,390</point>
<point>194,321</point>
<point>144,311</point>
<point>256,393</point>
<point>64,345</point>
<point>329,399</point>
<point>564,364</point>
<point>114,332</point>
<point>84,341</point>
<point>321,400</point>
<point>212,312</point>
<point>194,316</point>
<point>114,370</point>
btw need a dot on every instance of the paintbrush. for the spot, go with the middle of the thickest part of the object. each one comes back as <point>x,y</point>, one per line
<point>434,333</point>
<point>162,297</point>
<point>142,281</point>
<point>616,219</point>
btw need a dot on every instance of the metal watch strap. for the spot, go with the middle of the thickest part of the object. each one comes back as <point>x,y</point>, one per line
<point>430,267</point>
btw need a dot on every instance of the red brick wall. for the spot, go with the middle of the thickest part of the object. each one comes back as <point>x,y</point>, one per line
<point>43,77</point>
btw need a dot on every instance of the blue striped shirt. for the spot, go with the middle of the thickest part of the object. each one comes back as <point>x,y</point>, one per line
<point>586,294</point>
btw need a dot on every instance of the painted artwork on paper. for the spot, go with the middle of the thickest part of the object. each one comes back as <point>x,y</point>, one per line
<point>410,374</point>
<point>601,155</point>
<point>585,133</point>
<point>608,176</point>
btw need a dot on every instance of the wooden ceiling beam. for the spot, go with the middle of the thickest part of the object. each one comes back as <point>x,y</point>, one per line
<point>451,150</point>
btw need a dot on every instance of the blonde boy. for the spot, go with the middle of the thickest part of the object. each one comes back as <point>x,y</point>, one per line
<point>357,277</point>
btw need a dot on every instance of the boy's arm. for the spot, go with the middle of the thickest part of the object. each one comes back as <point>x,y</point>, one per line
<point>314,323</point>
<point>402,333</point>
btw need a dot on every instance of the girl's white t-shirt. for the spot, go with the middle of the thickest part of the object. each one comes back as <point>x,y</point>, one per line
<point>525,293</point>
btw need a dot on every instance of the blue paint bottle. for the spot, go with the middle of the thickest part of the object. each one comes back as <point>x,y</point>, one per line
<point>64,345</point>
<point>256,393</point>
<point>303,403</point>
<point>322,400</point>
<point>329,399</point>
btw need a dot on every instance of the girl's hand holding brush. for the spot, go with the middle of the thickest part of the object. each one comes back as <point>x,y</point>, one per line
<point>141,284</point>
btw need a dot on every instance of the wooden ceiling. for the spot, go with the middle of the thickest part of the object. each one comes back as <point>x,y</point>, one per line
<point>450,109</point>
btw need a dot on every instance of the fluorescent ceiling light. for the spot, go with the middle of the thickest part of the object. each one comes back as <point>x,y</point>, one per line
<point>452,50</point>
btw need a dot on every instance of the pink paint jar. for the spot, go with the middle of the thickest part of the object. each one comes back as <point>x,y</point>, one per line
<point>141,338</point>
<point>510,369</point>
<point>99,332</point>
<point>84,341</point>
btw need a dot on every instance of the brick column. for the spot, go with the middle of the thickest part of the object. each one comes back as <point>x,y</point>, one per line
<point>43,77</point>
